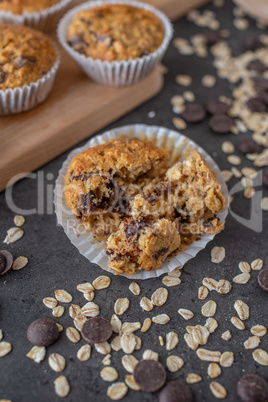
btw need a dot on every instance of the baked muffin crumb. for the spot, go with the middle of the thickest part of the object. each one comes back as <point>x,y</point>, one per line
<point>26,6</point>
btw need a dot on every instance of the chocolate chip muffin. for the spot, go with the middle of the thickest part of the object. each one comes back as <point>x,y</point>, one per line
<point>25,56</point>
<point>26,6</point>
<point>126,193</point>
<point>115,32</point>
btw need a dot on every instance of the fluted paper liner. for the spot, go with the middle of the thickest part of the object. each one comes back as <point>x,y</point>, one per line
<point>116,73</point>
<point>175,143</point>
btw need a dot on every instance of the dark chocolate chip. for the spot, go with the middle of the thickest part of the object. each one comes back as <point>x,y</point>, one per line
<point>161,253</point>
<point>248,146</point>
<point>221,123</point>
<point>253,43</point>
<point>43,332</point>
<point>265,178</point>
<point>6,262</point>
<point>252,388</point>
<point>260,82</point>
<point>105,39</point>
<point>97,330</point>
<point>217,107</point>
<point>263,97</point>
<point>263,279</point>
<point>2,76</point>
<point>255,105</point>
<point>256,65</point>
<point>176,391</point>
<point>76,40</point>
<point>150,375</point>
<point>22,60</point>
<point>194,112</point>
<point>212,37</point>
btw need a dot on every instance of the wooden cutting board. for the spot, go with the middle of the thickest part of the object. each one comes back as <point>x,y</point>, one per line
<point>76,109</point>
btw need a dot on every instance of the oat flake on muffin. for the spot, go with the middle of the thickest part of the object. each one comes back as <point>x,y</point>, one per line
<point>26,55</point>
<point>26,6</point>
<point>115,32</point>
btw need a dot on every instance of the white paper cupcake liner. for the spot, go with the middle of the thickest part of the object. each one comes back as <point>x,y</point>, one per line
<point>84,242</point>
<point>116,73</point>
<point>21,99</point>
<point>43,20</point>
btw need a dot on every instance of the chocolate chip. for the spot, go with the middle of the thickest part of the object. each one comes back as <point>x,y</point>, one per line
<point>211,36</point>
<point>161,253</point>
<point>253,43</point>
<point>43,332</point>
<point>252,388</point>
<point>2,76</point>
<point>263,97</point>
<point>176,391</point>
<point>263,279</point>
<point>97,330</point>
<point>6,262</point>
<point>255,105</point>
<point>194,112</point>
<point>248,146</point>
<point>256,65</point>
<point>217,107</point>
<point>221,123</point>
<point>265,178</point>
<point>22,60</point>
<point>150,375</point>
<point>105,39</point>
<point>260,82</point>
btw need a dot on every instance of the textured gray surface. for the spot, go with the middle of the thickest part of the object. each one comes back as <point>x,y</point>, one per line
<point>56,264</point>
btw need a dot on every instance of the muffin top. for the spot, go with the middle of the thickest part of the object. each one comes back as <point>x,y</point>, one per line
<point>115,32</point>
<point>25,56</point>
<point>26,6</point>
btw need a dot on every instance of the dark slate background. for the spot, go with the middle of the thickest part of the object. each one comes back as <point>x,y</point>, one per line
<point>56,264</point>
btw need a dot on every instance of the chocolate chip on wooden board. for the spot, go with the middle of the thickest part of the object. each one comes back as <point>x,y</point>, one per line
<point>256,65</point>
<point>256,105</point>
<point>43,332</point>
<point>150,375</point>
<point>221,123</point>
<point>97,330</point>
<point>248,146</point>
<point>265,178</point>
<point>263,279</point>
<point>176,392</point>
<point>216,106</point>
<point>252,388</point>
<point>6,262</point>
<point>194,112</point>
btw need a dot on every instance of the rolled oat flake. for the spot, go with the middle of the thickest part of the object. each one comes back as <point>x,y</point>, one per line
<point>252,388</point>
<point>150,375</point>
<point>97,330</point>
<point>176,391</point>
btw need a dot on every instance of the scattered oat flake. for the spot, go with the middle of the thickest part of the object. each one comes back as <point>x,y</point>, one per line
<point>227,147</point>
<point>74,310</point>
<point>202,292</point>
<point>103,348</point>
<point>20,263</point>
<point>146,325</point>
<point>261,357</point>
<point>176,273</point>
<point>58,311</point>
<point>234,160</point>
<point>192,344</point>
<point>102,282</point>
<point>244,267</point>
<point>85,287</point>
<point>259,330</point>
<point>217,254</point>
<point>214,370</point>
<point>135,288</point>
<point>60,327</point>
<point>37,354</point>
<point>73,335</point>
<point>179,123</point>
<point>193,378</point>
<point>172,340</point>
<point>183,79</point>
<point>264,204</point>
<point>226,336</point>
<point>138,342</point>
<point>121,305</point>
<point>242,279</point>
<point>131,383</point>
<point>249,192</point>
<point>90,309</point>
<point>89,296</point>
<point>129,362</point>
<point>50,302</point>
<point>218,390</point>
<point>62,387</point>
<point>161,319</point>
<point>171,281</point>
<point>257,264</point>
<point>223,287</point>
<point>149,354</point>
<point>208,355</point>
<point>13,235</point>
<point>209,309</point>
<point>252,342</point>
<point>174,363</point>
<point>116,344</point>
<point>19,220</point>
<point>116,323</point>
<point>211,325</point>
<point>63,296</point>
<point>242,309</point>
<point>238,323</point>
<point>208,81</point>
<point>146,304</point>
<point>161,340</point>
<point>159,297</point>
<point>109,374</point>
<point>227,359</point>
<point>128,342</point>
<point>241,23</point>
<point>56,362</point>
<point>130,326</point>
<point>117,391</point>
<point>84,353</point>
<point>186,314</point>
<point>79,321</point>
<point>227,175</point>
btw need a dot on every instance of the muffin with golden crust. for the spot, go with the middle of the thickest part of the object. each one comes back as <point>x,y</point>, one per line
<point>115,32</point>
<point>26,55</point>
<point>26,6</point>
